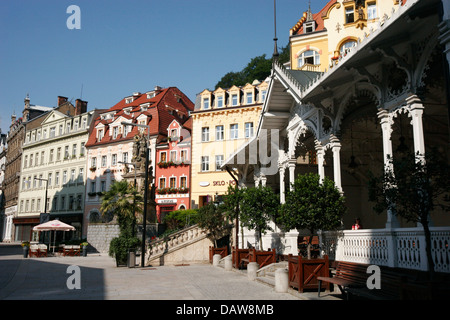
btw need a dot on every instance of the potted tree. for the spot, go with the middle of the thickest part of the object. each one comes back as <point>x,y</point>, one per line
<point>84,246</point>
<point>311,205</point>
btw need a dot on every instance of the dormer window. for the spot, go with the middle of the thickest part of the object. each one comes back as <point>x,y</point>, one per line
<point>309,26</point>
<point>219,101</point>
<point>249,96</point>
<point>128,100</point>
<point>100,134</point>
<point>144,107</point>
<point>127,111</point>
<point>115,132</point>
<point>205,103</point>
<point>150,95</point>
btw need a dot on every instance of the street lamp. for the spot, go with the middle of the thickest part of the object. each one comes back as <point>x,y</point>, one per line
<point>45,204</point>
<point>144,224</point>
<point>134,193</point>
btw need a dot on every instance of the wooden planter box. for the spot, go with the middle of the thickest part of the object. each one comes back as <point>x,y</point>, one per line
<point>238,255</point>
<point>303,272</point>
<point>263,258</point>
<point>222,251</point>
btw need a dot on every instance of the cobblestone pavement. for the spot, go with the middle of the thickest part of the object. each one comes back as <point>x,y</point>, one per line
<point>50,278</point>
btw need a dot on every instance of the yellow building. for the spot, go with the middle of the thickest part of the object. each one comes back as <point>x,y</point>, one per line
<point>317,41</point>
<point>223,120</point>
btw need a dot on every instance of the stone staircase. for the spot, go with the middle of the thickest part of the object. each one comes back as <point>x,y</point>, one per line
<point>266,275</point>
<point>185,246</point>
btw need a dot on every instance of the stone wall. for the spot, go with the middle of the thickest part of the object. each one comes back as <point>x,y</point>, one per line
<point>100,235</point>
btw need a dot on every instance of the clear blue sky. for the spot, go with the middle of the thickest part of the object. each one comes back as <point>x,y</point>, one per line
<point>128,46</point>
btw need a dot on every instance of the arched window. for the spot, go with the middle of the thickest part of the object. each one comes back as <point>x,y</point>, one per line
<point>346,46</point>
<point>308,57</point>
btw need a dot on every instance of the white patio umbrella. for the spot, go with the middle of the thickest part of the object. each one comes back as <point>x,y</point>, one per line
<point>53,225</point>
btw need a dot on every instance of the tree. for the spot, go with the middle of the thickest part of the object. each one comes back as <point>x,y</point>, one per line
<point>312,205</point>
<point>412,186</point>
<point>259,68</point>
<point>259,206</point>
<point>212,218</point>
<point>123,201</point>
<point>231,201</point>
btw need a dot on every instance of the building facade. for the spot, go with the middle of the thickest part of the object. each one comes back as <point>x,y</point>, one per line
<point>223,120</point>
<point>15,140</point>
<point>3,149</point>
<point>380,99</point>
<point>173,170</point>
<point>119,131</point>
<point>53,173</point>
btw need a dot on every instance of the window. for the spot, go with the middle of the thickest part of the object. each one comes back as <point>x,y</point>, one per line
<point>70,202</point>
<point>219,133</point>
<point>173,182</point>
<point>72,175</point>
<point>249,97</point>
<point>309,26</point>
<point>125,157</point>
<point>249,129</point>
<point>66,152</point>
<point>84,123</point>
<point>44,134</point>
<point>219,101</point>
<point>49,178</point>
<point>173,156</point>
<point>183,155</point>
<point>234,134</point>
<point>163,156</point>
<point>74,151</point>
<point>31,160</point>
<point>50,158</point>
<point>371,11</point>
<point>219,162</point>
<point>205,163</point>
<point>25,162</point>
<point>38,205</point>
<point>234,100</point>
<point>57,179</point>
<point>40,181</point>
<point>349,15</point>
<point>81,175</point>
<point>205,103</point>
<point>52,132</point>
<point>114,159</point>
<point>83,150</point>
<point>42,157</point>
<point>183,182</point>
<point>79,201</point>
<point>93,162</point>
<point>63,203</point>
<point>64,177</point>
<point>347,46</point>
<point>93,187</point>
<point>36,159</point>
<point>75,125</point>
<point>100,134</point>
<point>309,57</point>
<point>102,186</point>
<point>58,154</point>
<point>115,132</point>
<point>162,182</point>
<point>103,161</point>
<point>263,95</point>
<point>205,134</point>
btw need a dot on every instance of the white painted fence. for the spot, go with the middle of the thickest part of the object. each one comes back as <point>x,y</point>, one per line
<point>400,248</point>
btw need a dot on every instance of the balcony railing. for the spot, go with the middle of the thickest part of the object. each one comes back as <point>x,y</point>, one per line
<point>399,248</point>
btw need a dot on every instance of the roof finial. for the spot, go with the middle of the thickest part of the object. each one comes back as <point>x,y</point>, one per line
<point>275,50</point>
<point>309,16</point>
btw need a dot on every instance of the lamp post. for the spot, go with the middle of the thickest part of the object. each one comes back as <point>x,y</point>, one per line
<point>45,202</point>
<point>144,223</point>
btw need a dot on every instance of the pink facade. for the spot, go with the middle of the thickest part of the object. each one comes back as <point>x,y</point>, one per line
<point>173,167</point>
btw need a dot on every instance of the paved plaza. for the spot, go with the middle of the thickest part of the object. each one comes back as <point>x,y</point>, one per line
<point>48,278</point>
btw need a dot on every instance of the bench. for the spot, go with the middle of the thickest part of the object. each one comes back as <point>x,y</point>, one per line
<point>351,279</point>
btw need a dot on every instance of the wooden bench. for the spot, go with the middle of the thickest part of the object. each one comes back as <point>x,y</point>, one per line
<point>351,279</point>
<point>263,258</point>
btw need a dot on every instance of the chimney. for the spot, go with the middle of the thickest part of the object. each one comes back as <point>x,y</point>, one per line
<point>80,106</point>
<point>61,100</point>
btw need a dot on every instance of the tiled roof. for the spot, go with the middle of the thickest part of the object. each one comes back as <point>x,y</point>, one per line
<point>159,114</point>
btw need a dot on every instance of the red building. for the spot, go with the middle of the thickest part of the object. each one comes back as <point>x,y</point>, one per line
<point>172,174</point>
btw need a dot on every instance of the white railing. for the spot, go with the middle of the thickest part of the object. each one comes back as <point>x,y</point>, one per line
<point>400,248</point>
<point>174,241</point>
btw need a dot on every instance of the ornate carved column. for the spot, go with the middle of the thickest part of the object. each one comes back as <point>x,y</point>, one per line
<point>320,160</point>
<point>291,164</point>
<point>281,172</point>
<point>386,127</point>
<point>336,149</point>
<point>416,112</point>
